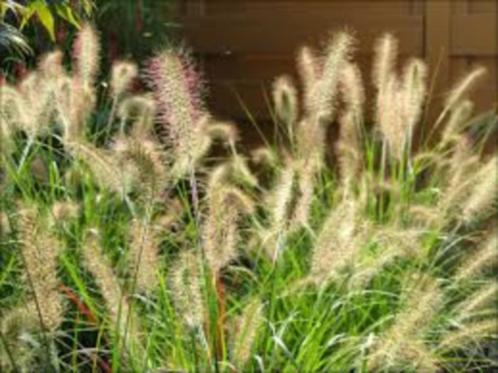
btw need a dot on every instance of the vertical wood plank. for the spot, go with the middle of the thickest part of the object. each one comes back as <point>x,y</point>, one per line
<point>195,7</point>
<point>437,47</point>
<point>460,6</point>
<point>417,7</point>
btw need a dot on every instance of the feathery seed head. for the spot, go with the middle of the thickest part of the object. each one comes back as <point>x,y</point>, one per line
<point>140,110</point>
<point>5,227</point>
<point>51,66</point>
<point>349,149</point>
<point>460,114</point>
<point>110,170</point>
<point>144,255</point>
<point>86,54</point>
<point>226,205</point>
<point>40,250</point>
<point>390,116</point>
<point>353,91</point>
<point>414,91</point>
<point>422,299</point>
<point>282,199</point>
<point>341,238</point>
<point>485,296</point>
<point>460,176</point>
<point>17,327</point>
<point>482,199</point>
<point>264,156</point>
<point>75,103</point>
<point>247,327</point>
<point>463,86</point>
<point>122,76</point>
<point>12,116</point>
<point>185,282</point>
<point>177,88</point>
<point>485,257</point>
<point>143,165</point>
<point>304,190</point>
<point>223,131</point>
<point>336,56</point>
<point>403,344</point>
<point>37,98</point>
<point>468,334</point>
<point>103,274</point>
<point>309,67</point>
<point>385,50</point>
<point>286,101</point>
<point>65,210</point>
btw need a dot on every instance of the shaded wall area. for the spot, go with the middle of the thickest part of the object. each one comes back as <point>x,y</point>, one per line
<point>244,44</point>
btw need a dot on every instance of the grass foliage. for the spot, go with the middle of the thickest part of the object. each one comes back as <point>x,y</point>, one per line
<point>127,246</point>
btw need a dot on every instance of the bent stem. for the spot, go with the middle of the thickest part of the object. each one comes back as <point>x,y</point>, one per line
<point>25,152</point>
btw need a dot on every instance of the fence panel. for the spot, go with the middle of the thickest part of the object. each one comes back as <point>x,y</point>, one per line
<point>244,44</point>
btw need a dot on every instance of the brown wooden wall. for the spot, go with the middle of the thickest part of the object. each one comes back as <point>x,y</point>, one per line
<point>244,44</point>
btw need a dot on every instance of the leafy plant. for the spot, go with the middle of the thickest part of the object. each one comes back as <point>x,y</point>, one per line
<point>16,15</point>
<point>127,246</point>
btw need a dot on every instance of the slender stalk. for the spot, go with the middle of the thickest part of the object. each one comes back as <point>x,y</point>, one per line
<point>25,152</point>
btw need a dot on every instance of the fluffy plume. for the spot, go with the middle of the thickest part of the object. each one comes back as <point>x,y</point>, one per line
<point>342,237</point>
<point>391,243</point>
<point>325,89</point>
<point>485,296</point>
<point>51,66</point>
<point>399,101</point>
<point>146,162</point>
<point>386,50</point>
<point>5,227</point>
<point>86,56</point>
<point>74,104</point>
<point>225,131</point>
<point>390,117</point>
<point>177,89</point>
<point>286,101</point>
<point>11,113</point>
<point>108,283</point>
<point>122,76</point>
<point>469,333</point>
<point>17,327</point>
<point>144,255</point>
<point>349,151</point>
<point>282,201</point>
<point>309,70</point>
<point>458,117</point>
<point>402,345</point>
<point>8,123</point>
<point>65,210</point>
<point>414,89</point>
<point>306,179</point>
<point>484,192</point>
<point>29,107</point>
<point>485,257</point>
<point>40,250</point>
<point>264,156</point>
<point>226,204</point>
<point>462,87</point>
<point>460,176</point>
<point>310,144</point>
<point>105,168</point>
<point>247,327</point>
<point>140,110</point>
<point>353,92</point>
<point>185,281</point>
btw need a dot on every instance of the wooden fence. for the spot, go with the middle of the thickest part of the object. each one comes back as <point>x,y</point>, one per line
<point>244,44</point>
